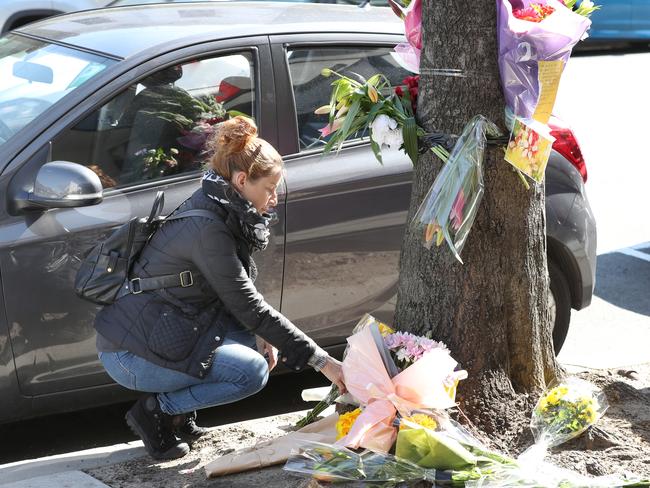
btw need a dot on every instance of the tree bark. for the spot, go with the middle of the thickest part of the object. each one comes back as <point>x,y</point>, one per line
<point>492,311</point>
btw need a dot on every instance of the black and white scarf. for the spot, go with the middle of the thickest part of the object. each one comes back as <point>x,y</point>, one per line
<point>254,226</point>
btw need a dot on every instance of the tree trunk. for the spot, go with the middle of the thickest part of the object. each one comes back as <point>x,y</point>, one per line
<point>492,311</point>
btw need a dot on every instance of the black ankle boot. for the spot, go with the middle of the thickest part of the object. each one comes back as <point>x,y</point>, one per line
<point>185,427</point>
<point>154,427</point>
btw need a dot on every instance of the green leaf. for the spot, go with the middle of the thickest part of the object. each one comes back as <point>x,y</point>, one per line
<point>410,139</point>
<point>374,111</point>
<point>376,149</point>
<point>441,152</point>
<point>359,77</point>
<point>408,105</point>
<point>235,113</point>
<point>349,119</point>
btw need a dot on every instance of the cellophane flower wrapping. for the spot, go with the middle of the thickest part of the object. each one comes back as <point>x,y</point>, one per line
<point>522,44</point>
<point>331,463</point>
<point>450,207</point>
<point>565,410</point>
<point>407,54</point>
<point>383,390</point>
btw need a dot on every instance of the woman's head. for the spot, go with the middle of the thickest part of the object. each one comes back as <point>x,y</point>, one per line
<point>251,165</point>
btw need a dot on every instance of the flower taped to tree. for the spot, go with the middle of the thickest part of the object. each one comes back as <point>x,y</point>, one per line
<point>449,208</point>
<point>535,42</point>
<point>357,104</point>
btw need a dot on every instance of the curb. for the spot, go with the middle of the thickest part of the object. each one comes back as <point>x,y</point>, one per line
<point>67,463</point>
<point>68,479</point>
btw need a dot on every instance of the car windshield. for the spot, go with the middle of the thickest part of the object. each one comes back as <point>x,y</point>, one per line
<point>34,75</point>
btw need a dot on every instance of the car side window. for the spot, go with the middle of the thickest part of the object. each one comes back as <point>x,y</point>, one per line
<point>158,127</point>
<point>312,90</point>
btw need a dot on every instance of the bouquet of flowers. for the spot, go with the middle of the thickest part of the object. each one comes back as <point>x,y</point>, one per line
<point>535,42</point>
<point>359,104</point>
<point>534,32</point>
<point>425,450</point>
<point>566,410</point>
<point>384,390</point>
<point>449,208</point>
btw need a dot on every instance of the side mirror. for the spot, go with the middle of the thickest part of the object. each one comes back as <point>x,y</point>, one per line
<point>61,184</point>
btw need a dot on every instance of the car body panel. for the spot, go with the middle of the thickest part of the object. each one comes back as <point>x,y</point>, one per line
<point>571,228</point>
<point>126,31</point>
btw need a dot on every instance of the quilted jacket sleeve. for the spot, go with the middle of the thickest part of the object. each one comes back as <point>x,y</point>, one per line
<point>214,254</point>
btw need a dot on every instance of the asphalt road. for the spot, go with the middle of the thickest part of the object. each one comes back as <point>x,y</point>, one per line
<point>605,99</point>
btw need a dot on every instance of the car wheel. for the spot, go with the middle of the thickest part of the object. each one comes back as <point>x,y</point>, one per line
<point>559,299</point>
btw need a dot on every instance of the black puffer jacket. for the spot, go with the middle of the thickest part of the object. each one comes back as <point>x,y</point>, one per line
<point>152,324</point>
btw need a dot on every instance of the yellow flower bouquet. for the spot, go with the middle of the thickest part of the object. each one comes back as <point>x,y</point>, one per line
<point>566,410</point>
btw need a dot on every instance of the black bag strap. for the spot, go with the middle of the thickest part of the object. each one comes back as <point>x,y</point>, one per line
<point>184,279</point>
<point>156,208</point>
<point>138,285</point>
<point>197,212</point>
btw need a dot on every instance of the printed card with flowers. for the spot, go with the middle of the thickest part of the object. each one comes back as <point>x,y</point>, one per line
<point>529,148</point>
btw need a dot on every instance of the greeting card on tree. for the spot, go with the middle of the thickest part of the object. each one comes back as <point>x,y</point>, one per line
<point>530,147</point>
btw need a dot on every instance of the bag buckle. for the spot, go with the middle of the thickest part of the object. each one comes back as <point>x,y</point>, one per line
<point>132,286</point>
<point>186,279</point>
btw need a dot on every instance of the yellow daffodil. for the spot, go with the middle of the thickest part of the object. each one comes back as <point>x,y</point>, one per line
<point>345,421</point>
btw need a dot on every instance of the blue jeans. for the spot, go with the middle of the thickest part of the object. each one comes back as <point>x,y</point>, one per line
<point>237,372</point>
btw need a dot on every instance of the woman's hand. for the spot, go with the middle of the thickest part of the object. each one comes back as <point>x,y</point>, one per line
<point>267,349</point>
<point>333,371</point>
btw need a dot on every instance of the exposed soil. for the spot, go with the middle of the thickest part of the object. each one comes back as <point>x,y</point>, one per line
<point>620,442</point>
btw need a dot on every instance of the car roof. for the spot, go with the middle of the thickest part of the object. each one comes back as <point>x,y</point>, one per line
<point>125,31</point>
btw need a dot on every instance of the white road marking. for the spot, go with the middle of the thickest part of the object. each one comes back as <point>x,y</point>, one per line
<point>635,253</point>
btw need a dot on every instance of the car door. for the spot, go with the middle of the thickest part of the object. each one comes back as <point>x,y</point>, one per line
<point>144,134</point>
<point>345,213</point>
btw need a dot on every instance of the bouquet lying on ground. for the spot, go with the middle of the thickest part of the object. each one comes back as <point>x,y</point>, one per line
<point>564,411</point>
<point>430,446</point>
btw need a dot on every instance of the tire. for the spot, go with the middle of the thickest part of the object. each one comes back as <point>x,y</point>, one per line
<point>560,305</point>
